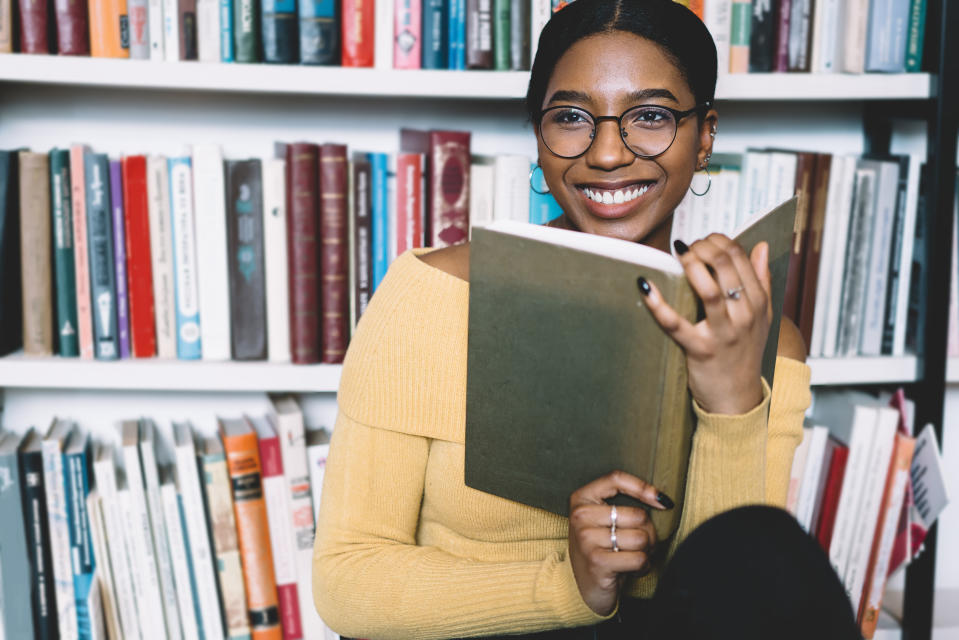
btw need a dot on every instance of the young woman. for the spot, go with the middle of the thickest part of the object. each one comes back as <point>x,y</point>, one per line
<point>621,101</point>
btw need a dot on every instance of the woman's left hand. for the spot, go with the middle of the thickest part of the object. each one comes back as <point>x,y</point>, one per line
<point>724,351</point>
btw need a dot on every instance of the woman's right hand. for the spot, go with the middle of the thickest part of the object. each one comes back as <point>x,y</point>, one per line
<point>599,568</point>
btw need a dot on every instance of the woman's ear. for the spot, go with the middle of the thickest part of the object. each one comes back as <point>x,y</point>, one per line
<point>707,135</point>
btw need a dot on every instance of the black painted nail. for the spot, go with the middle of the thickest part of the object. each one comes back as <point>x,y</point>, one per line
<point>665,500</point>
<point>680,246</point>
<point>643,285</point>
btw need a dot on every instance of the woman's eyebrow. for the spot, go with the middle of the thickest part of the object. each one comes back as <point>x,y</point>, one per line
<point>646,94</point>
<point>568,95</point>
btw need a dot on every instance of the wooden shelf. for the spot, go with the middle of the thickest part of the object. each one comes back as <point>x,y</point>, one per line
<point>484,85</point>
<point>877,370</point>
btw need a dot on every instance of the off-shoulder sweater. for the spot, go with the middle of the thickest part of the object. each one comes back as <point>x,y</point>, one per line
<point>404,549</point>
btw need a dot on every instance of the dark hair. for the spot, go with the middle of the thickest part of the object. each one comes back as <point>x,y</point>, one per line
<point>681,34</point>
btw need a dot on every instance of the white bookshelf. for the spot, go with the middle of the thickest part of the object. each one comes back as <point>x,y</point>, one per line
<point>861,370</point>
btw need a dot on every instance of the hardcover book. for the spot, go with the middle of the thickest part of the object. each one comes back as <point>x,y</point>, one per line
<point>501,34</point>
<point>435,34</point>
<point>143,342</point>
<point>280,34</point>
<point>275,259</point>
<point>535,434</point>
<point>36,27</point>
<point>362,268</point>
<point>120,257</point>
<point>161,252</point>
<point>519,19</point>
<point>246,31</point>
<point>73,34</point>
<point>208,31</point>
<point>479,34</point>
<point>6,25</point>
<point>15,572</point>
<point>226,30</point>
<point>334,254</point>
<point>109,29</point>
<point>35,254</point>
<point>456,48</point>
<point>103,286</point>
<point>76,462</point>
<point>740,36</point>
<point>319,32</point>
<point>11,314</point>
<point>407,34</point>
<point>186,43</point>
<point>379,213</point>
<point>357,33</point>
<point>139,29</point>
<point>303,240</point>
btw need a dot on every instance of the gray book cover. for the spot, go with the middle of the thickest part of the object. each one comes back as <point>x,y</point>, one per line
<point>103,288</point>
<point>15,571</point>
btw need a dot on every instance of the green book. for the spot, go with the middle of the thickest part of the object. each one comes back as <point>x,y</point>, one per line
<point>915,35</point>
<point>501,35</point>
<point>65,281</point>
<point>568,375</point>
<point>246,31</point>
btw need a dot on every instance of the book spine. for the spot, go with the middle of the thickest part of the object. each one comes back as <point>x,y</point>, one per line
<point>540,12</point>
<point>453,37</point>
<point>384,36</point>
<point>139,261</point>
<point>187,30</point>
<point>15,572</point>
<point>6,26</point>
<point>72,29</point>
<point>874,300</point>
<point>479,34</point>
<point>171,30</point>
<point>103,287</point>
<point>916,35</point>
<point>229,570</point>
<point>63,260</point>
<point>243,462</point>
<point>208,30</point>
<point>718,19</point>
<point>42,584</point>
<point>226,31</point>
<point>854,38</point>
<point>449,163</point>
<point>501,34</point>
<point>379,217</point>
<point>279,31</point>
<point>357,33</point>
<point>856,263</point>
<point>161,247</point>
<point>887,35</point>
<point>814,244</point>
<point>896,275</point>
<point>109,29</point>
<point>740,36</point>
<point>334,258</point>
<point>362,231</point>
<point>179,561</point>
<point>837,471</point>
<point>302,162</point>
<point>800,35</point>
<point>80,255</point>
<point>275,260</point>
<point>245,241</point>
<point>409,201</point>
<point>120,258</point>
<point>781,51</point>
<point>11,315</point>
<point>81,546</point>
<point>435,36</point>
<point>156,29</point>
<point>104,571</point>
<point>139,27</point>
<point>246,31</point>
<point>519,24</point>
<point>186,290</point>
<point>408,31</point>
<point>316,456</point>
<point>905,262</point>
<point>34,26</point>
<point>59,527</point>
<point>391,207</point>
<point>319,32</point>
<point>35,253</point>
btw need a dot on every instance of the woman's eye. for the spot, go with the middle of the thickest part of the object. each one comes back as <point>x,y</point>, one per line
<point>649,117</point>
<point>569,117</point>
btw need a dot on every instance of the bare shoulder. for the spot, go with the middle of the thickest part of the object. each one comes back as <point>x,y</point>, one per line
<point>791,344</point>
<point>453,260</point>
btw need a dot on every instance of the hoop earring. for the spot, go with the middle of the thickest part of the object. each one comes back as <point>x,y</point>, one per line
<point>708,184</point>
<point>533,188</point>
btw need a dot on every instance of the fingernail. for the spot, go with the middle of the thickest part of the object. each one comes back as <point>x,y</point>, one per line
<point>643,286</point>
<point>665,500</point>
<point>680,246</point>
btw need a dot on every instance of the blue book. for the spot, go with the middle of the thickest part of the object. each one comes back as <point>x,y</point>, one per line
<point>888,36</point>
<point>103,286</point>
<point>457,34</point>
<point>226,31</point>
<point>379,163</point>
<point>319,32</point>
<point>542,206</point>
<point>435,34</point>
<point>76,472</point>
<point>279,26</point>
<point>185,288</point>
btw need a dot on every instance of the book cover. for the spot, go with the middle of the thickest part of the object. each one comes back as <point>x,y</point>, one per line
<point>379,216</point>
<point>244,224</point>
<point>279,24</point>
<point>800,35</point>
<point>837,234</point>
<point>73,34</point>
<point>174,528</point>
<point>212,276</point>
<point>409,201</point>
<point>120,257</point>
<point>357,33</point>
<point>208,31</point>
<point>139,26</point>
<point>854,38</point>
<point>887,36</point>
<point>103,571</point>
<point>185,269</point>
<point>11,314</point>
<point>501,34</point>
<point>740,36</point>
<point>319,32</point>
<point>916,35</point>
<point>303,240</point>
<point>334,255</point>
<point>54,485</point>
<point>77,484</point>
<point>143,342</point>
<point>519,26</point>
<point>818,197</point>
<point>783,17</point>
<point>435,34</point>
<point>35,254</point>
<point>246,31</point>
<point>408,32</point>
<point>156,29</point>
<point>36,27</point>
<point>6,25</point>
<point>317,451</point>
<point>219,500</point>
<point>226,31</point>
<point>384,36</point>
<point>479,34</point>
<point>103,286</point>
<point>161,253</point>
<point>856,262</point>
<point>243,462</point>
<point>109,29</point>
<point>456,47</point>
<point>880,248</point>
<point>186,43</point>
<point>543,469</point>
<point>15,573</point>
<point>447,220</point>
<point>275,259</point>
<point>511,192</point>
<point>362,268</point>
<point>41,585</point>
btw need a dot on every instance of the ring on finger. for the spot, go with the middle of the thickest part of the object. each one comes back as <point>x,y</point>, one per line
<point>612,540</point>
<point>612,528</point>
<point>735,293</point>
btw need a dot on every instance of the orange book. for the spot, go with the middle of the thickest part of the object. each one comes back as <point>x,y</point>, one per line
<point>696,6</point>
<point>243,463</point>
<point>892,498</point>
<point>109,35</point>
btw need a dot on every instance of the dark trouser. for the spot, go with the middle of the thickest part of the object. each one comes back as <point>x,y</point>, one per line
<point>627,624</point>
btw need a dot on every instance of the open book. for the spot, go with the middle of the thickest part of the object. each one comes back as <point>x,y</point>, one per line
<point>568,375</point>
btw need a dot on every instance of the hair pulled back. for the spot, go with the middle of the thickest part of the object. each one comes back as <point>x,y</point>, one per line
<point>681,34</point>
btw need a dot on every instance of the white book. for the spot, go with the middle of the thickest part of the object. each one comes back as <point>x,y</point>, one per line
<point>718,19</point>
<point>54,443</point>
<point>116,526</point>
<point>857,256</point>
<point>511,188</point>
<point>797,470</point>
<point>809,485</point>
<point>275,260</point>
<point>161,544</point>
<point>137,578</point>
<point>880,248</point>
<point>156,28</point>
<point>287,419</point>
<point>186,291</point>
<point>138,12</point>
<point>782,178</point>
<point>729,198</point>
<point>103,573</point>
<point>754,184</point>
<point>539,14</point>
<point>208,30</point>
<point>213,279</point>
<point>827,26</point>
<point>905,258</point>
<point>853,38</point>
<point>682,220</point>
<point>188,480</point>
<point>481,191</point>
<point>384,35</point>
<point>152,616</point>
<point>173,524</point>
<point>161,255</point>
<point>870,502</point>
<point>317,451</point>
<point>171,31</point>
<point>94,604</point>
<point>835,229</point>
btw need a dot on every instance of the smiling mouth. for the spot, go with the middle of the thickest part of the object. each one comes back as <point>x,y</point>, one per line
<point>616,196</point>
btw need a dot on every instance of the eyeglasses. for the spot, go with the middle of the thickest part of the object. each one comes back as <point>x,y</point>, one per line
<point>647,130</point>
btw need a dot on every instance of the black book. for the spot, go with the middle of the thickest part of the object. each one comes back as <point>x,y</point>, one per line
<point>11,316</point>
<point>362,235</point>
<point>479,34</point>
<point>762,39</point>
<point>244,223</point>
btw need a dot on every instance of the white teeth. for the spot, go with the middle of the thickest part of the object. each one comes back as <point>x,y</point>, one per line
<point>614,197</point>
<point>607,198</point>
<point>618,197</point>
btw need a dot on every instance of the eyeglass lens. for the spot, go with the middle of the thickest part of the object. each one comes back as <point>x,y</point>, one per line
<point>646,130</point>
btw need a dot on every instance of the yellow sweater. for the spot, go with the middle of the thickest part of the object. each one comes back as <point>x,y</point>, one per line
<point>404,549</point>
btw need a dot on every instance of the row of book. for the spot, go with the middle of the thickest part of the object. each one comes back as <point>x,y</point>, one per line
<point>209,538</point>
<point>194,257</point>
<point>867,489</point>
<point>857,266</point>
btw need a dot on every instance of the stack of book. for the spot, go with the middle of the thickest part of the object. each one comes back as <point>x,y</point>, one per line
<point>212,538</point>
<point>867,489</point>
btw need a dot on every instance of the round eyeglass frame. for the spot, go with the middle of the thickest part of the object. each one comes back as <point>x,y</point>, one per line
<point>677,114</point>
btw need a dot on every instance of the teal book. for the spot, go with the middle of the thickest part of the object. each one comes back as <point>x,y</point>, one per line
<point>226,31</point>
<point>915,38</point>
<point>15,573</point>
<point>103,288</point>
<point>435,34</point>
<point>65,282</point>
<point>76,471</point>
<point>380,218</point>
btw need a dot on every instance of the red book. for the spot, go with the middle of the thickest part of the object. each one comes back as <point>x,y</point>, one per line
<point>302,251</point>
<point>409,201</point>
<point>334,252</point>
<point>73,32</point>
<point>448,213</point>
<point>781,61</point>
<point>407,34</point>
<point>34,26</point>
<point>143,339</point>
<point>357,33</point>
<point>830,500</point>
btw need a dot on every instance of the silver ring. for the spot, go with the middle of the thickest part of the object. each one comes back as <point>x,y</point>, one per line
<point>612,518</point>
<point>733,294</point>
<point>612,540</point>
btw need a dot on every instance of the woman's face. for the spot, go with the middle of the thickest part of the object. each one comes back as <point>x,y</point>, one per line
<point>607,74</point>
